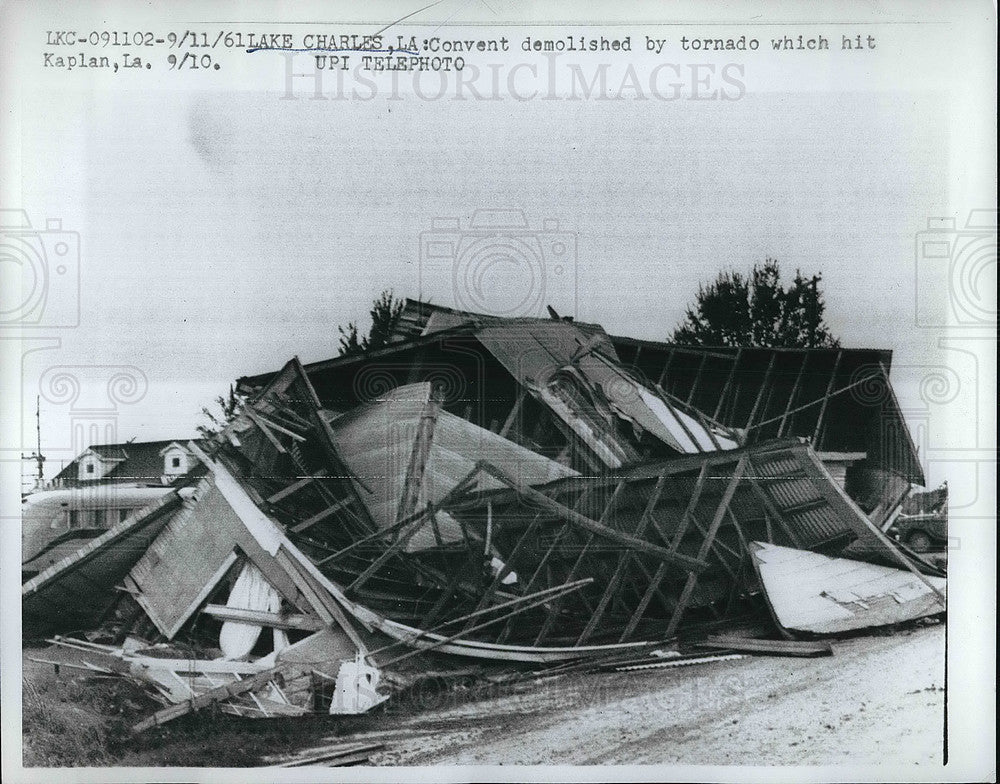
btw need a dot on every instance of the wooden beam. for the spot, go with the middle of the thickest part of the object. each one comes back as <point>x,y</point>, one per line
<point>419,455</point>
<point>309,522</point>
<point>769,506</point>
<point>666,367</point>
<point>680,420</point>
<point>219,694</point>
<point>697,379</point>
<point>717,547</point>
<point>726,387</point>
<point>794,393</point>
<point>708,429</point>
<point>706,544</point>
<point>512,416</point>
<point>623,564</point>
<point>826,399</point>
<point>691,410</point>
<point>294,487</point>
<point>275,426</point>
<point>258,618</point>
<point>651,589</point>
<point>760,393</point>
<point>692,504</point>
<point>255,418</point>
<point>501,574</point>
<point>611,534</point>
<point>388,553</point>
<point>556,606</point>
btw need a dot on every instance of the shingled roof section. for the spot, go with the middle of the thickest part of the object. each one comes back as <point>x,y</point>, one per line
<point>140,461</point>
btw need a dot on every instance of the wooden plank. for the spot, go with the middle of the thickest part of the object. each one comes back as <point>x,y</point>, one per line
<point>623,563</point>
<point>410,496</point>
<point>556,606</point>
<point>515,410</point>
<point>309,522</point>
<point>294,487</point>
<point>562,589</point>
<point>706,544</point>
<point>729,381</point>
<point>699,486</point>
<point>793,394</point>
<point>826,399</point>
<point>760,394</point>
<point>804,648</point>
<point>333,756</point>
<point>697,379</point>
<point>557,590</point>
<point>258,618</point>
<point>254,417</point>
<point>220,694</point>
<point>623,539</point>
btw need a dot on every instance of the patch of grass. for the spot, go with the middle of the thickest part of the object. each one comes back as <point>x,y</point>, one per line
<point>76,722</point>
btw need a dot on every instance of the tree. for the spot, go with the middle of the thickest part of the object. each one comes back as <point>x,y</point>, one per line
<point>227,408</point>
<point>385,313</point>
<point>757,310</point>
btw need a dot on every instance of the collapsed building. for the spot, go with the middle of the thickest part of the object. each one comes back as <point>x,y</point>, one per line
<point>511,494</point>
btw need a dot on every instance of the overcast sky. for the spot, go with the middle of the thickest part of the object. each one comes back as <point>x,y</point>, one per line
<point>222,232</point>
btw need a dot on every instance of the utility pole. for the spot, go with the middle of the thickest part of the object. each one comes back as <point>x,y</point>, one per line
<point>37,455</point>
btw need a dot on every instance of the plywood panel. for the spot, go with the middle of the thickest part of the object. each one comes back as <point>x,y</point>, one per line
<point>811,592</point>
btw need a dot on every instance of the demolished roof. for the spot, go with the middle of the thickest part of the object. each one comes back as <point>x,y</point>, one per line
<point>506,490</point>
<point>838,398</point>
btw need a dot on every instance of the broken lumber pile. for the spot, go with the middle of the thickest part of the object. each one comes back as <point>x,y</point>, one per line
<point>530,501</point>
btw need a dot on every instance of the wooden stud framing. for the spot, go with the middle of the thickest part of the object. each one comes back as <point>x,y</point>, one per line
<point>826,399</point>
<point>706,544</point>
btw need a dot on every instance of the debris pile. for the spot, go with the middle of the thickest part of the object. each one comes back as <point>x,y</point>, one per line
<point>511,495</point>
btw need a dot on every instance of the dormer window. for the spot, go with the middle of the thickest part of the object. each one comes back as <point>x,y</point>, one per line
<point>176,461</point>
<point>92,466</point>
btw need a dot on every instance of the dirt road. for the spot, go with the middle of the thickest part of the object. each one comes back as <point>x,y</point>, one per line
<point>878,700</point>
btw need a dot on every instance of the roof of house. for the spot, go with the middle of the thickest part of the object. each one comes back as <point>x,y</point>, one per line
<point>138,461</point>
